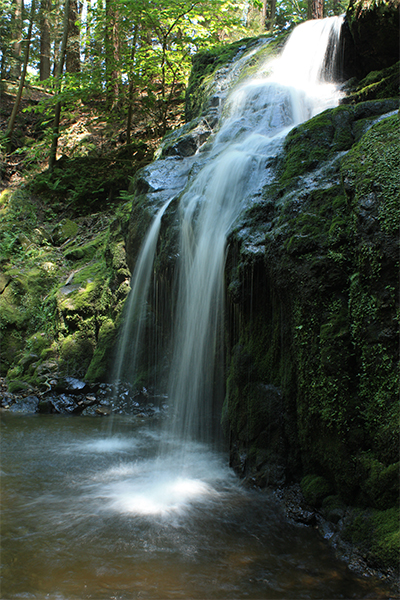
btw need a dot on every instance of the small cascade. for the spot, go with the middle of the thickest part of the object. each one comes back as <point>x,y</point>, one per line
<point>136,305</point>
<point>257,115</point>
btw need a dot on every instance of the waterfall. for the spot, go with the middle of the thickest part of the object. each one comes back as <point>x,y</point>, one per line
<point>257,115</point>
<point>135,309</point>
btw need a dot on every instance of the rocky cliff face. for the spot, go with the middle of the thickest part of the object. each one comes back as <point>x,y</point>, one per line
<point>371,36</point>
<point>312,379</point>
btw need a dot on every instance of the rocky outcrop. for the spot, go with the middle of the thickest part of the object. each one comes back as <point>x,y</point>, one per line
<point>371,36</point>
<point>62,289</point>
<point>311,273</point>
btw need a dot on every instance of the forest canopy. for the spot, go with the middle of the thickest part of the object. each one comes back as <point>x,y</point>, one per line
<point>122,53</point>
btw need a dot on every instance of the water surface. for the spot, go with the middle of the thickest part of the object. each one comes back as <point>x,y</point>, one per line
<point>89,513</point>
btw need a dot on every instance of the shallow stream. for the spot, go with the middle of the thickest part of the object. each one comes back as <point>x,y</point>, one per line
<point>92,511</point>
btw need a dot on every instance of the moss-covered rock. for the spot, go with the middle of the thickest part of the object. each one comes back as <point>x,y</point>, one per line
<point>58,287</point>
<point>315,489</point>
<point>376,533</point>
<point>100,363</point>
<point>204,93</point>
<point>380,84</point>
<point>311,279</point>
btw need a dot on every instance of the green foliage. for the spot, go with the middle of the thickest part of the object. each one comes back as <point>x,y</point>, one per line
<point>377,534</point>
<point>85,184</point>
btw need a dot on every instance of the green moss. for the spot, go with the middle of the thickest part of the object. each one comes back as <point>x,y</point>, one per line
<point>376,85</point>
<point>374,168</point>
<point>379,483</point>
<point>307,146</point>
<point>88,251</point>
<point>377,534</point>
<point>18,386</point>
<point>76,353</point>
<point>100,363</point>
<point>315,488</point>
<point>12,343</point>
<point>66,230</point>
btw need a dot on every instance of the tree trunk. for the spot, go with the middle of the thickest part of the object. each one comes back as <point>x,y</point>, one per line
<point>73,62</point>
<point>58,34</point>
<point>130,93</point>
<point>17,37</point>
<point>57,111</point>
<point>113,75</point>
<point>270,15</point>
<point>11,122</point>
<point>44,68</point>
<point>264,15</point>
<point>315,9</point>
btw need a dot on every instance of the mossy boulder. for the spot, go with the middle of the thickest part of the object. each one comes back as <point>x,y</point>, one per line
<point>76,352</point>
<point>376,533</point>
<point>315,489</point>
<point>100,364</point>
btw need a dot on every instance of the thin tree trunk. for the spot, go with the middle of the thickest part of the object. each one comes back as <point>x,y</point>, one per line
<point>73,62</point>
<point>86,38</point>
<point>271,15</point>
<point>11,122</point>
<point>315,9</point>
<point>17,34</point>
<point>130,92</point>
<point>57,35</point>
<point>264,15</point>
<point>44,68</point>
<point>112,55</point>
<point>57,111</point>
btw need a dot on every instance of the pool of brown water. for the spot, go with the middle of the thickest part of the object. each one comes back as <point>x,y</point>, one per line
<point>93,511</point>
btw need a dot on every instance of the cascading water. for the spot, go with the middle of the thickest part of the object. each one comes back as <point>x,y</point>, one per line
<point>231,171</point>
<point>258,115</point>
<point>135,310</point>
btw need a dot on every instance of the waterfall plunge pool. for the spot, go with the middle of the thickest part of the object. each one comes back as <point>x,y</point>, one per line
<point>88,513</point>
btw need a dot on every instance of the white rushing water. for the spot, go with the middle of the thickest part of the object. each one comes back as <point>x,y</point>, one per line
<point>135,309</point>
<point>257,115</point>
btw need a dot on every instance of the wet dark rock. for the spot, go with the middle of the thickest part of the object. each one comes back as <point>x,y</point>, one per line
<point>371,36</point>
<point>26,405</point>
<point>71,385</point>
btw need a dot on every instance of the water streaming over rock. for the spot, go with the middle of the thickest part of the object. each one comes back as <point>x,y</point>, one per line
<point>135,310</point>
<point>232,170</point>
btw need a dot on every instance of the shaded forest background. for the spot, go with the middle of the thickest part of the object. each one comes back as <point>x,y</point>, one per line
<point>117,68</point>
